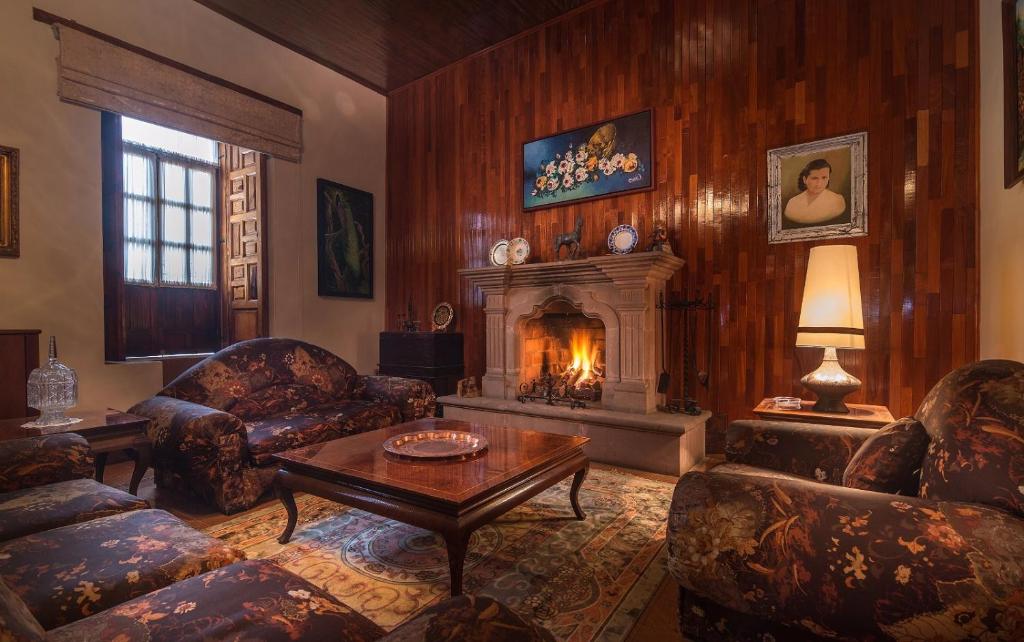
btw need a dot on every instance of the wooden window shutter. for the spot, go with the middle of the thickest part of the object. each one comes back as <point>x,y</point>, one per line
<point>244,240</point>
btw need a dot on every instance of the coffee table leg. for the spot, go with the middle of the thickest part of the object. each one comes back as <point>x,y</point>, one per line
<point>143,457</point>
<point>100,462</point>
<point>288,499</point>
<point>457,544</point>
<point>574,494</point>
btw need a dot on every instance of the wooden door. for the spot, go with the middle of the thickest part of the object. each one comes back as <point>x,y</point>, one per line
<point>244,244</point>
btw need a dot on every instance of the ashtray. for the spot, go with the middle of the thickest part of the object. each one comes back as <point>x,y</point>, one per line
<point>786,403</point>
<point>435,444</point>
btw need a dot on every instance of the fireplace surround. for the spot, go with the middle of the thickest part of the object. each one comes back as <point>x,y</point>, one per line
<point>614,298</point>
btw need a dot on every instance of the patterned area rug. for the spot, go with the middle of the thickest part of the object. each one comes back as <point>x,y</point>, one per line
<point>584,581</point>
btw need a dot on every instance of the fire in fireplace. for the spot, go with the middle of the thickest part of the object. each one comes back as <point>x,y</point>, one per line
<point>563,357</point>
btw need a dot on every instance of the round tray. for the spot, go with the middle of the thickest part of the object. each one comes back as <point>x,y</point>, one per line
<point>435,444</point>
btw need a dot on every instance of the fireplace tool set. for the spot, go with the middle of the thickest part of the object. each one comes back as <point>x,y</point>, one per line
<point>689,307</point>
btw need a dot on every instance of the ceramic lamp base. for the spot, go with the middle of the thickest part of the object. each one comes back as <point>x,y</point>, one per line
<point>830,383</point>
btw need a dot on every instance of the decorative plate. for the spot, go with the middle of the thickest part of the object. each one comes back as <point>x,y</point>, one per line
<point>622,239</point>
<point>499,253</point>
<point>435,444</point>
<point>442,316</point>
<point>518,250</point>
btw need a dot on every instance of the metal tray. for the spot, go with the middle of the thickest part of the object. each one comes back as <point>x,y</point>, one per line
<point>435,444</point>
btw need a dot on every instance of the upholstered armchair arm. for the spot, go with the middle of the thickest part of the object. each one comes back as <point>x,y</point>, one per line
<point>414,398</point>
<point>813,451</point>
<point>853,564</point>
<point>203,447</point>
<point>47,459</point>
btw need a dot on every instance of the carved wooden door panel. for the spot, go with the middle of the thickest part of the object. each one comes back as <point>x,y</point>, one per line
<point>244,244</point>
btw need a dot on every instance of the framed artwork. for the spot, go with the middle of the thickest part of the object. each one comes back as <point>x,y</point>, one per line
<point>602,159</point>
<point>818,190</point>
<point>344,232</point>
<point>1013,89</point>
<point>9,202</point>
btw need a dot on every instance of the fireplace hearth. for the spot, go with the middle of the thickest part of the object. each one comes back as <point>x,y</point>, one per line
<point>572,347</point>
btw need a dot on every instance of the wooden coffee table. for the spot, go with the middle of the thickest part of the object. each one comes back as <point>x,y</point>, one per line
<point>452,498</point>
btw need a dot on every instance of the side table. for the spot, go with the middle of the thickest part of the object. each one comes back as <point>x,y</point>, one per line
<point>860,415</point>
<point>106,431</point>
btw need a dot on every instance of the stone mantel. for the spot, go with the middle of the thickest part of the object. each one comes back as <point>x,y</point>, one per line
<point>626,270</point>
<point>620,290</point>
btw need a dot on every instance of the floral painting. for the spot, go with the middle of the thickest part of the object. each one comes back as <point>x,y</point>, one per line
<point>610,157</point>
<point>344,231</point>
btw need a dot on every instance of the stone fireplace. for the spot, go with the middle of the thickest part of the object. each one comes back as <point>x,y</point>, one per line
<point>606,308</point>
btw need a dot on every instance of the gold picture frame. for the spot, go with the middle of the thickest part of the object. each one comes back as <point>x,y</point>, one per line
<point>9,202</point>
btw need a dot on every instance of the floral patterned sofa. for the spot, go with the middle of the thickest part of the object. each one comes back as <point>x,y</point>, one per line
<point>125,572</point>
<point>46,482</point>
<point>215,427</point>
<point>911,532</point>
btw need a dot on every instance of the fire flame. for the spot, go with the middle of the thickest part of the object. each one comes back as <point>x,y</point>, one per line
<point>584,354</point>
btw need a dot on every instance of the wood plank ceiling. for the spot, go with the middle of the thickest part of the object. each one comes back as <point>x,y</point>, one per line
<point>385,44</point>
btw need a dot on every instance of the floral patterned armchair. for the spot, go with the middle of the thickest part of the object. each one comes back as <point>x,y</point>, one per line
<point>215,427</point>
<point>921,537</point>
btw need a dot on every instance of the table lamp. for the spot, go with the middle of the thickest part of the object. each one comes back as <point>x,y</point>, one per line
<point>831,317</point>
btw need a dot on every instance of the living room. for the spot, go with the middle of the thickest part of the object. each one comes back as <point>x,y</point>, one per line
<point>572,320</point>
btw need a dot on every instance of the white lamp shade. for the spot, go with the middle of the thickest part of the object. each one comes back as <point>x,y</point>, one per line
<point>831,313</point>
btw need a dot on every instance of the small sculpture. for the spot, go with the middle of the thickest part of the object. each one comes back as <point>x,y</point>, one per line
<point>572,239</point>
<point>659,240</point>
<point>408,322</point>
<point>467,388</point>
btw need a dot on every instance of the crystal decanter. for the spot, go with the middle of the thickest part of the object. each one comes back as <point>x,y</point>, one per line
<point>52,389</point>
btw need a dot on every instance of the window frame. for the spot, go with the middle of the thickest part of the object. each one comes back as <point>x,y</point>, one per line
<point>159,157</point>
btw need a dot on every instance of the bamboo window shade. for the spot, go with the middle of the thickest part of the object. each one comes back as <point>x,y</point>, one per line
<point>103,73</point>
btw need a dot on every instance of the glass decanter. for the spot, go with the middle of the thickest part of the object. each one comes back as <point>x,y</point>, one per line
<point>52,389</point>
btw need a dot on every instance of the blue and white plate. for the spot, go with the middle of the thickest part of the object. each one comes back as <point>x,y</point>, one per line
<point>622,239</point>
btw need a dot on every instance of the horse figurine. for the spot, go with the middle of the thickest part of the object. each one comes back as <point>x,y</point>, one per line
<point>572,239</point>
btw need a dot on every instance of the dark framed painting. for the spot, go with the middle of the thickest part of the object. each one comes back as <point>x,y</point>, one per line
<point>344,232</point>
<point>1013,89</point>
<point>9,202</point>
<point>603,159</point>
<point>818,190</point>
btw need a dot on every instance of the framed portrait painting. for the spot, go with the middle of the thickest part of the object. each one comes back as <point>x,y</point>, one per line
<point>602,159</point>
<point>344,232</point>
<point>1013,88</point>
<point>818,190</point>
<point>9,201</point>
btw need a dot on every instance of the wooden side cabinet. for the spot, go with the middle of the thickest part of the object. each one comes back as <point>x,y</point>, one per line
<point>19,356</point>
<point>435,357</point>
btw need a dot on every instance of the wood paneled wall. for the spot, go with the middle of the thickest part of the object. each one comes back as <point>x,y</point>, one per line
<point>728,80</point>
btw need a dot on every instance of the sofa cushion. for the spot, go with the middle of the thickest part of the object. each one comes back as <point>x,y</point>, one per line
<point>975,419</point>
<point>238,371</point>
<point>16,621</point>
<point>33,461</point>
<point>316,425</point>
<point>254,600</point>
<point>469,618</point>
<point>72,572</point>
<point>277,399</point>
<point>41,508</point>
<point>890,460</point>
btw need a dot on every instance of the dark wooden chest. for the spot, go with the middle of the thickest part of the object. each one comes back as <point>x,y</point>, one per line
<point>435,357</point>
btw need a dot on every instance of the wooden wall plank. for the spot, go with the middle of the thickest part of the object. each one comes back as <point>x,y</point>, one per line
<point>727,81</point>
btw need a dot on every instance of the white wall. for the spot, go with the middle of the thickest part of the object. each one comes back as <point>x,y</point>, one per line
<point>1002,210</point>
<point>56,285</point>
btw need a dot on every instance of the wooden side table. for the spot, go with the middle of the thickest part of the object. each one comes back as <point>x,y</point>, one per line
<point>860,415</point>
<point>107,431</point>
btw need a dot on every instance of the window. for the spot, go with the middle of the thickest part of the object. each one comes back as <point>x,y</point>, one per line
<point>170,196</point>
